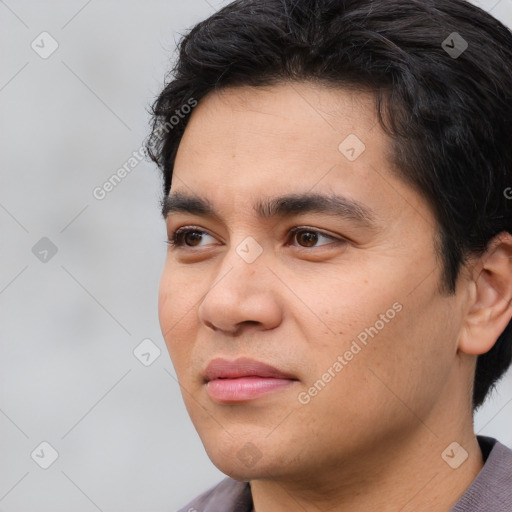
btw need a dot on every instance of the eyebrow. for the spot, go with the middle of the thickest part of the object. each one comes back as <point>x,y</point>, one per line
<point>278,207</point>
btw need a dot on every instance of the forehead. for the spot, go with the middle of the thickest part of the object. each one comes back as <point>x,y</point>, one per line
<point>303,116</point>
<point>244,143</point>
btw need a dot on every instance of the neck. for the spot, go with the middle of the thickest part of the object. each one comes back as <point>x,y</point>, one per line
<point>407,474</point>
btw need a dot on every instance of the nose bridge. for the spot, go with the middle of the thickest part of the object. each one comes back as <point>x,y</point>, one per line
<point>242,263</point>
<point>240,291</point>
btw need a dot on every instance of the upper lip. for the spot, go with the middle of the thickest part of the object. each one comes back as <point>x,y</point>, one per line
<point>219,368</point>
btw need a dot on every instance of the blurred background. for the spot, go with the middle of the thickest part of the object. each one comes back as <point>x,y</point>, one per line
<point>91,415</point>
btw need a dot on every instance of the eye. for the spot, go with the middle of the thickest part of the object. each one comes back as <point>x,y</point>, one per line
<point>306,237</point>
<point>188,237</point>
<point>309,237</point>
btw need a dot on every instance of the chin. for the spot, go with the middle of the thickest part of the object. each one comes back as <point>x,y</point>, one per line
<point>239,458</point>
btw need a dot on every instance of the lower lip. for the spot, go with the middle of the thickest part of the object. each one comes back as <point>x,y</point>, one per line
<point>244,388</point>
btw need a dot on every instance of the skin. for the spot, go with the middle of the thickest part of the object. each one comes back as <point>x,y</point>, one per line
<point>373,437</point>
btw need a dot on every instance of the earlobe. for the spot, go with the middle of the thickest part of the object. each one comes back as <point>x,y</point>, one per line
<point>489,309</point>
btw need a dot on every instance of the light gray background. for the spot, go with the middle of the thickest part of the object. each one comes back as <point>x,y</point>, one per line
<point>69,325</point>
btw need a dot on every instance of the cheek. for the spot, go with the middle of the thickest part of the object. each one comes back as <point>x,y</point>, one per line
<point>380,326</point>
<point>180,289</point>
<point>165,304</point>
<point>347,307</point>
<point>174,310</point>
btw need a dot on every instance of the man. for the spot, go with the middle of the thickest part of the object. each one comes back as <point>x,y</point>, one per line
<point>336,294</point>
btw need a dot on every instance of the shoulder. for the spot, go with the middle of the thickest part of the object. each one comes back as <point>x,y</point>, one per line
<point>492,489</point>
<point>229,496</point>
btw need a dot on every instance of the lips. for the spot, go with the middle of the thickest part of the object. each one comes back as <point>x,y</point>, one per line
<point>242,367</point>
<point>243,380</point>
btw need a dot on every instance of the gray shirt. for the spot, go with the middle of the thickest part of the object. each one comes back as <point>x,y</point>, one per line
<point>491,491</point>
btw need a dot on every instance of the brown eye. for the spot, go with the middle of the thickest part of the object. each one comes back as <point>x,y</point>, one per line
<point>192,238</point>
<point>307,238</point>
<point>187,237</point>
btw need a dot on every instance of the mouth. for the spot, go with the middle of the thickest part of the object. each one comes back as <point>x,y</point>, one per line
<point>243,379</point>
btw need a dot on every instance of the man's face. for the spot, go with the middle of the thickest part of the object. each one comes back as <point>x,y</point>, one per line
<point>347,308</point>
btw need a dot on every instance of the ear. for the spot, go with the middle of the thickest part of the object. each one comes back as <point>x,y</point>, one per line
<point>489,309</point>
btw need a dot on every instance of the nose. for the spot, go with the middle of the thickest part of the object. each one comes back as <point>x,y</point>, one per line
<point>241,296</point>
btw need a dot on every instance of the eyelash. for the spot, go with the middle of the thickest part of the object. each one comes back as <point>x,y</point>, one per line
<point>176,239</point>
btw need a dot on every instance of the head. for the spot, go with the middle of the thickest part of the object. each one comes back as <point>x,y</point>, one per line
<point>382,105</point>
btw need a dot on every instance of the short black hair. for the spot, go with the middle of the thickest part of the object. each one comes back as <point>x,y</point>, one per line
<point>441,74</point>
